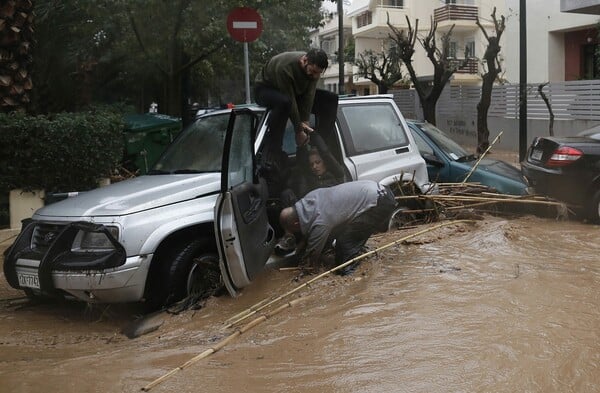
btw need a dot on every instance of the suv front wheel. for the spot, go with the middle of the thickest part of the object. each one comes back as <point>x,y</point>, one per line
<point>189,270</point>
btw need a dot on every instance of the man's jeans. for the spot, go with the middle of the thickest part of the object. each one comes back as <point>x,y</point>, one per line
<point>324,107</point>
<point>350,242</point>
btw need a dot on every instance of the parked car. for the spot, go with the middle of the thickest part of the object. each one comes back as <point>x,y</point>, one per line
<point>203,213</point>
<point>448,162</point>
<point>567,169</point>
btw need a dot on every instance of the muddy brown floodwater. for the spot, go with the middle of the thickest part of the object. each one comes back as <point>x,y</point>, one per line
<point>504,305</point>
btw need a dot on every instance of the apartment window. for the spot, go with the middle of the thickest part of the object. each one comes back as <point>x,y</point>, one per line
<point>364,19</point>
<point>470,49</point>
<point>590,62</point>
<point>463,2</point>
<point>451,54</point>
<point>330,47</point>
<point>392,3</point>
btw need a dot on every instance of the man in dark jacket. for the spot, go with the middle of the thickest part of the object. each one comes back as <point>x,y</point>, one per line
<point>349,213</point>
<point>287,85</point>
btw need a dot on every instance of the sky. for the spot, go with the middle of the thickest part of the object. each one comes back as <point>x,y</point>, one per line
<point>332,7</point>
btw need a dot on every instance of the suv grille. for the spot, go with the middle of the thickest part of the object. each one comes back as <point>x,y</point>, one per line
<point>44,235</point>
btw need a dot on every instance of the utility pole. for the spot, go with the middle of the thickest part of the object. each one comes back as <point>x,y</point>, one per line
<point>340,11</point>
<point>522,80</point>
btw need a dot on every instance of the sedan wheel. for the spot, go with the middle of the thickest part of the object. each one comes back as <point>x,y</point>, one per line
<point>593,211</point>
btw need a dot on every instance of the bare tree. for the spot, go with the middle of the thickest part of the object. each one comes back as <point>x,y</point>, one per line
<point>443,65</point>
<point>381,68</point>
<point>494,68</point>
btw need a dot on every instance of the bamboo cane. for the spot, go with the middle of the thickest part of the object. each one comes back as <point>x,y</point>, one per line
<point>255,309</point>
<point>481,157</point>
<point>223,342</point>
<point>481,199</point>
<point>247,310</point>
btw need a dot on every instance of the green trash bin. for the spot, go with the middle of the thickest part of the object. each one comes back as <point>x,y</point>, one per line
<point>146,137</point>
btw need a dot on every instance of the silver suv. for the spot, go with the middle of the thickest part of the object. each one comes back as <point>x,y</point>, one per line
<point>203,217</point>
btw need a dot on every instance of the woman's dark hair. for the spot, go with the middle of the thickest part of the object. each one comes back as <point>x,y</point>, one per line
<point>317,57</point>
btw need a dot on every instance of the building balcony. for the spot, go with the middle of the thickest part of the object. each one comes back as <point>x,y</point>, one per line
<point>471,66</point>
<point>580,6</point>
<point>463,17</point>
<point>373,23</point>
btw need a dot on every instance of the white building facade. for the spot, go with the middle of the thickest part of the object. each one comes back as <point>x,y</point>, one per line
<point>370,30</point>
<point>561,42</point>
<point>327,38</point>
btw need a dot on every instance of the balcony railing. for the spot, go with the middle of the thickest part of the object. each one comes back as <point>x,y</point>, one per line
<point>471,66</point>
<point>455,12</point>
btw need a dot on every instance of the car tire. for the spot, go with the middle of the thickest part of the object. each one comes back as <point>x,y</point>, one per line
<point>400,218</point>
<point>593,209</point>
<point>190,270</point>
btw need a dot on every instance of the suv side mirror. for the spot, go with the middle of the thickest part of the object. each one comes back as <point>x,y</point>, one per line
<point>433,160</point>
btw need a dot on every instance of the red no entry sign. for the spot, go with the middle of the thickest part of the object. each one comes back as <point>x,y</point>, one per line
<point>244,24</point>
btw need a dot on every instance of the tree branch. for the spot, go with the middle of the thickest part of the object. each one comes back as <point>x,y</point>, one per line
<point>141,43</point>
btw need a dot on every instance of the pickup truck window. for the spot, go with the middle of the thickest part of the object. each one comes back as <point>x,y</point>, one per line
<point>373,127</point>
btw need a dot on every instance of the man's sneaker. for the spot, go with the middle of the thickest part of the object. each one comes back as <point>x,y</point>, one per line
<point>286,245</point>
<point>346,270</point>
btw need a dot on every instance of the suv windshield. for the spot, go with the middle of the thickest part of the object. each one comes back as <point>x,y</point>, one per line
<point>198,149</point>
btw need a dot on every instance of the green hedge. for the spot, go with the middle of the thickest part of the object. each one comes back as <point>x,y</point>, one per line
<point>59,153</point>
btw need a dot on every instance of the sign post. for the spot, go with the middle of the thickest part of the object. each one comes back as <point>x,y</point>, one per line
<point>245,25</point>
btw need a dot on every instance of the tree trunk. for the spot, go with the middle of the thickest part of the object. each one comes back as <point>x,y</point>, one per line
<point>550,111</point>
<point>493,70</point>
<point>483,133</point>
<point>16,41</point>
<point>428,106</point>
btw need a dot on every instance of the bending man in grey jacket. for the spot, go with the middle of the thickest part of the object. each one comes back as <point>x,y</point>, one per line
<point>349,213</point>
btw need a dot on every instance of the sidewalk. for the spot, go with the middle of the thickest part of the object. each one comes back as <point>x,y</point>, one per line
<point>7,236</point>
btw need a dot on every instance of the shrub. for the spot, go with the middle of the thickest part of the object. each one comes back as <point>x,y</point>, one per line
<point>61,152</point>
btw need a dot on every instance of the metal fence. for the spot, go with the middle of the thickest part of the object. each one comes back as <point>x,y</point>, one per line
<point>573,100</point>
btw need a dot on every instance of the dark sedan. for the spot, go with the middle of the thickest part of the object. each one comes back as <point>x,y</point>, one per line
<point>448,162</point>
<point>567,169</point>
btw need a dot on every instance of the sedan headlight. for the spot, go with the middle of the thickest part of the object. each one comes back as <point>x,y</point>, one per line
<point>87,241</point>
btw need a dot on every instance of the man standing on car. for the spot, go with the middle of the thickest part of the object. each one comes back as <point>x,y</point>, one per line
<point>287,85</point>
<point>349,213</point>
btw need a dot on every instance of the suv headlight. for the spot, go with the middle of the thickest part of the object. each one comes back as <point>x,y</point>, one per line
<point>87,241</point>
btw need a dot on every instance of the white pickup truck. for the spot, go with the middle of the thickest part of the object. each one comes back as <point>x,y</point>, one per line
<point>201,217</point>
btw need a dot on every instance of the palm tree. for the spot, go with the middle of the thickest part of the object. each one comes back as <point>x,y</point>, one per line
<point>16,42</point>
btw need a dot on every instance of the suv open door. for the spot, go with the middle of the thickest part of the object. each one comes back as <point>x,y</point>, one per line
<point>244,236</point>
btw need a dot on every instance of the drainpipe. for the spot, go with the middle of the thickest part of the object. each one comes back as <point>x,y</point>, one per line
<point>340,10</point>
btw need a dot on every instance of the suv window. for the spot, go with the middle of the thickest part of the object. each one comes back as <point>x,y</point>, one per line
<point>199,148</point>
<point>373,127</point>
<point>289,136</point>
<point>240,157</point>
